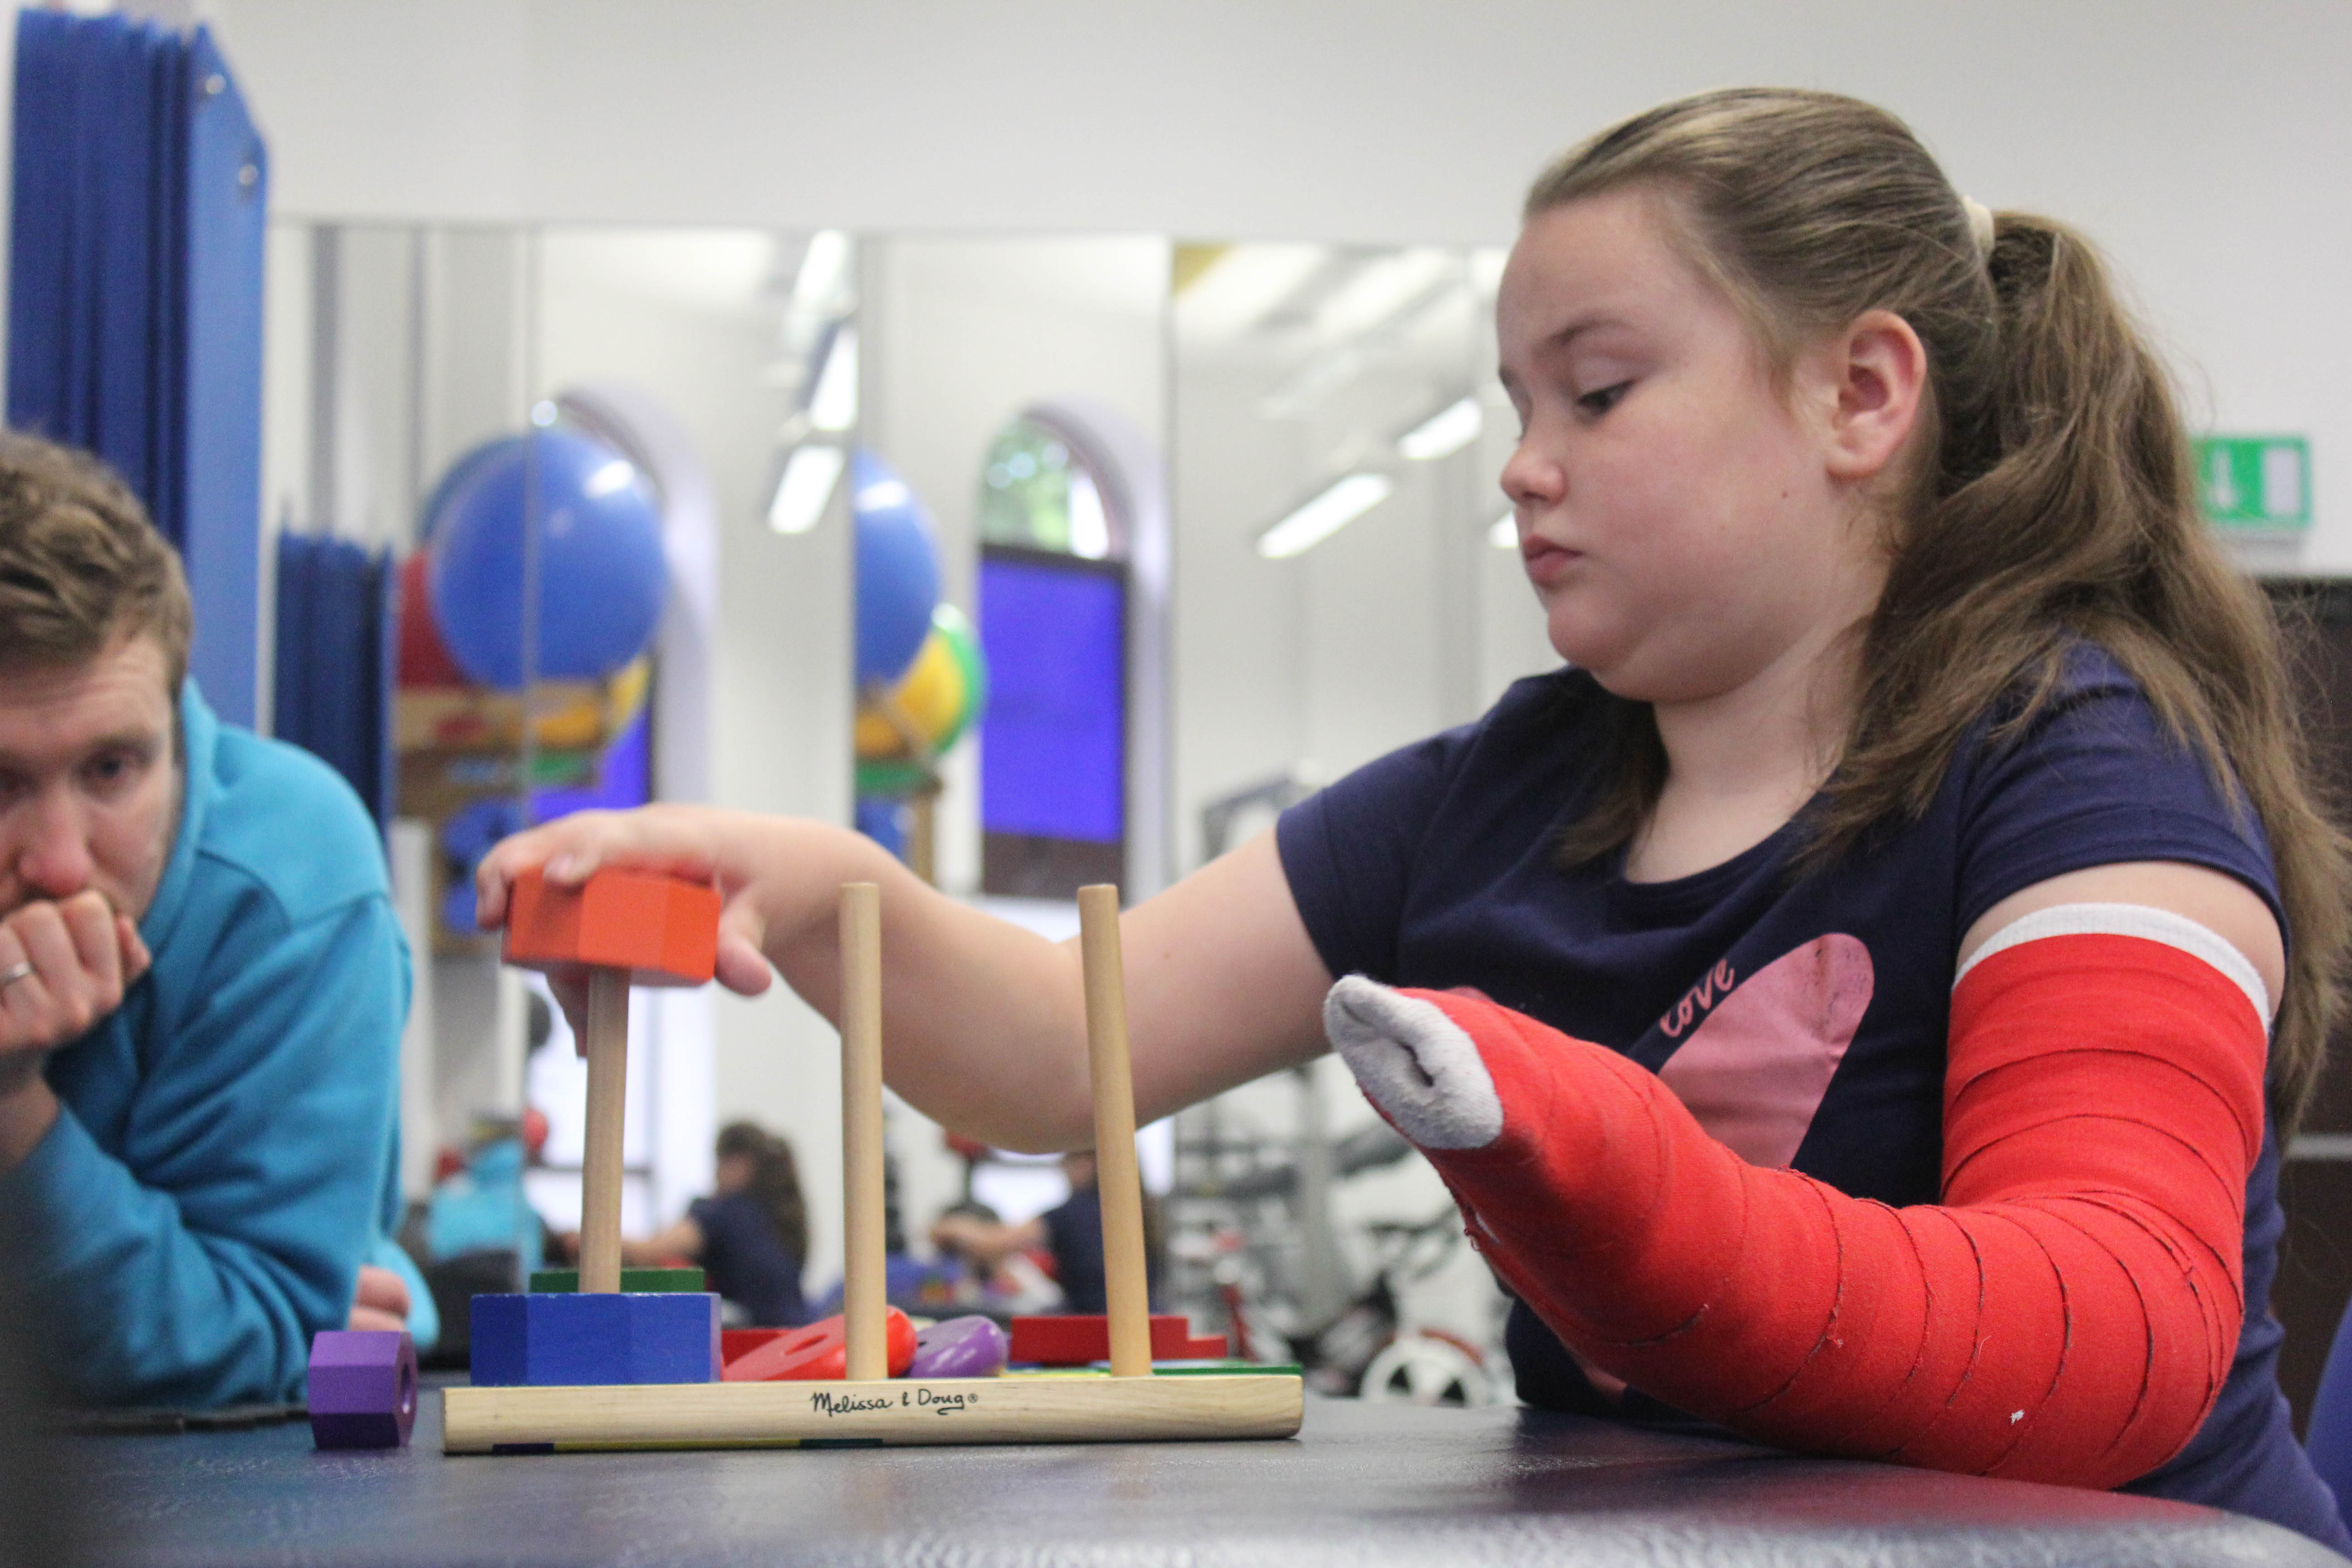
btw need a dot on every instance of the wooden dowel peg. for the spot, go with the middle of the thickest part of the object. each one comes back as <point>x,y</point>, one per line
<point>607,1041</point>
<point>1119,1186</point>
<point>864,1281</point>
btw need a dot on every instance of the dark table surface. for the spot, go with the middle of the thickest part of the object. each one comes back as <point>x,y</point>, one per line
<point>1362,1484</point>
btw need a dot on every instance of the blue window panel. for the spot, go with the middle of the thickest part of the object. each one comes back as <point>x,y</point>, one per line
<point>1053,746</point>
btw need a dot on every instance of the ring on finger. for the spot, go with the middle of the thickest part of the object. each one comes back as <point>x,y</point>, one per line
<point>21,970</point>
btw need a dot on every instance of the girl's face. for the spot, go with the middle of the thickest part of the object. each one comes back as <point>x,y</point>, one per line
<point>1677,513</point>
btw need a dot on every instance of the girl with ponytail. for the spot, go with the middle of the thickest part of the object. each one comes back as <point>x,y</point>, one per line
<point>749,1237</point>
<point>1859,1000</point>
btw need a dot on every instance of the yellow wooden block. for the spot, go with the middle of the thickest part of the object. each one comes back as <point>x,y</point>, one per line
<point>889,1413</point>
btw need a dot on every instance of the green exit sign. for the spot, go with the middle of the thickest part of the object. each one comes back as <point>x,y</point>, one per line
<point>2255,482</point>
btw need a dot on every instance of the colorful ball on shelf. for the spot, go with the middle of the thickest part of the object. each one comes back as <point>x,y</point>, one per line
<point>602,577</point>
<point>940,695</point>
<point>898,571</point>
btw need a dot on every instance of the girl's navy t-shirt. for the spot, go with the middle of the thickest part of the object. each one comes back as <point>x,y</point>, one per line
<point>747,1261</point>
<point>1437,866</point>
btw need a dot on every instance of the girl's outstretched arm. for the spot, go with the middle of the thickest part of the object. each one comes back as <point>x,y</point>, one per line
<point>983,1022</point>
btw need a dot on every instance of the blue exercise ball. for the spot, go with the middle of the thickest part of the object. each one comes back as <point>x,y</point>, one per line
<point>602,577</point>
<point>898,571</point>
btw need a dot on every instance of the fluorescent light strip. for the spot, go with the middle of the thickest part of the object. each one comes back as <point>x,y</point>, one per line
<point>1324,516</point>
<point>1443,432</point>
<point>823,271</point>
<point>834,404</point>
<point>809,474</point>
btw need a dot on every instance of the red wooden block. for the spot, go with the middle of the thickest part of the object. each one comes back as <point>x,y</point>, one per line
<point>663,929</point>
<point>1076,1339</point>
<point>819,1352</point>
<point>734,1344</point>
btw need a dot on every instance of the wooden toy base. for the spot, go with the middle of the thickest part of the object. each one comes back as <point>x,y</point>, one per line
<point>1069,1408</point>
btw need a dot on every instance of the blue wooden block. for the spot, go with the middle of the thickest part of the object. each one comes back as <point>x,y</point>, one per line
<point>567,1339</point>
<point>500,1330</point>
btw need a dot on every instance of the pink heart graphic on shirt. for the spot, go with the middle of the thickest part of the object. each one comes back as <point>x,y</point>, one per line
<point>1755,1070</point>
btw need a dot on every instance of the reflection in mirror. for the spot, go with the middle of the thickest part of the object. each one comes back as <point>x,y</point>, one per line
<point>1207,524</point>
<point>1337,436</point>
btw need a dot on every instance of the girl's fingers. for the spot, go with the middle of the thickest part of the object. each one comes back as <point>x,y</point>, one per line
<point>653,839</point>
<point>743,967</point>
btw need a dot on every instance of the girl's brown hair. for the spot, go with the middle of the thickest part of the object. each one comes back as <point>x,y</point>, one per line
<point>775,1183</point>
<point>2057,504</point>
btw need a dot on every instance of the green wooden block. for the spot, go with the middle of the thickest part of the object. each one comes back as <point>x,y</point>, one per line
<point>1227,1368</point>
<point>633,1282</point>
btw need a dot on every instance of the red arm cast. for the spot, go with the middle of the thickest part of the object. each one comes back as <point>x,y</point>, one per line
<point>2067,1314</point>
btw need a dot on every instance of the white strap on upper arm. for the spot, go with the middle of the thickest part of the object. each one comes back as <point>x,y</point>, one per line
<point>2176,930</point>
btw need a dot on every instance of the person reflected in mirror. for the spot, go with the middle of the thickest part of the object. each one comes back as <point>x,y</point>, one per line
<point>1068,1238</point>
<point>749,1237</point>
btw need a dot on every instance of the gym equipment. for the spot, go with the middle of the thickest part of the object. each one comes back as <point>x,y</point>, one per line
<point>603,578</point>
<point>938,697</point>
<point>898,571</point>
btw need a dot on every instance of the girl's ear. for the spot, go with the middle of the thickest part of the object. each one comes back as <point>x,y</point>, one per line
<point>1872,378</point>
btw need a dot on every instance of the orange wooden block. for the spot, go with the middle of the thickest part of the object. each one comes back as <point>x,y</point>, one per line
<point>662,929</point>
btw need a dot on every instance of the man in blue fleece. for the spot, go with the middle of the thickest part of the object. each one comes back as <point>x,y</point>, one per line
<point>201,983</point>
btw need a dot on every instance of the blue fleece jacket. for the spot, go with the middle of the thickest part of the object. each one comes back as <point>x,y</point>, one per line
<point>224,1159</point>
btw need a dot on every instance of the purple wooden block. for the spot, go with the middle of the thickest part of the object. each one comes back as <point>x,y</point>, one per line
<point>959,1347</point>
<point>362,1388</point>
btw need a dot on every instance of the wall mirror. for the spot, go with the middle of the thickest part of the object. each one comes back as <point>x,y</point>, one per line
<point>1210,525</point>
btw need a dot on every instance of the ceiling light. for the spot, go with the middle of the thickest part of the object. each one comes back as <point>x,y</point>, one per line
<point>802,495</point>
<point>1324,516</point>
<point>1443,432</point>
<point>824,272</point>
<point>1503,533</point>
<point>832,405</point>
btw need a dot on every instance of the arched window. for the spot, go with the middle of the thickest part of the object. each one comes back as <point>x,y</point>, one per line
<point>1043,489</point>
<point>1052,610</point>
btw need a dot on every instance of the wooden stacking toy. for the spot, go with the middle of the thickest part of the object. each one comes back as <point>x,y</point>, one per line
<point>866,1404</point>
<point>622,928</point>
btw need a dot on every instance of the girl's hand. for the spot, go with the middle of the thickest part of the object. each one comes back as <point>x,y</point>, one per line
<point>696,843</point>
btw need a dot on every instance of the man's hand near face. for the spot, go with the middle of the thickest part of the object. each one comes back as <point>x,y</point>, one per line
<point>64,966</point>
